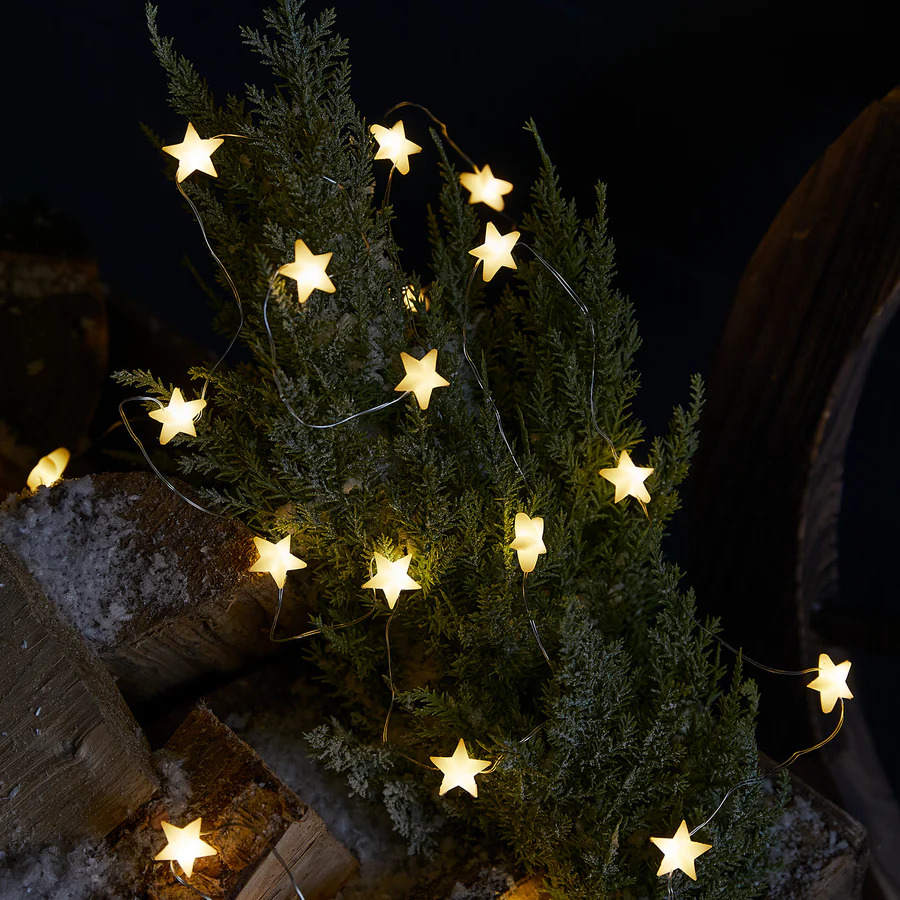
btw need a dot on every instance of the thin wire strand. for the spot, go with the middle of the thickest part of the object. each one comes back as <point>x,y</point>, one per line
<point>314,631</point>
<point>438,122</point>
<point>387,643</point>
<point>533,624</point>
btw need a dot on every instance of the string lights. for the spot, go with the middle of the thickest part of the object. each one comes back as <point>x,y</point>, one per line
<point>421,377</point>
<point>529,542</point>
<point>679,852</point>
<point>483,187</point>
<point>194,154</point>
<point>276,559</point>
<point>831,682</point>
<point>308,270</point>
<point>496,251</point>
<point>628,479</point>
<point>394,145</point>
<point>178,417</point>
<point>391,577</point>
<point>460,770</point>
<point>49,469</point>
<point>184,846</point>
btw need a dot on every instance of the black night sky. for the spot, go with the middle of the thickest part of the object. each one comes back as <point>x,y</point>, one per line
<point>700,116</point>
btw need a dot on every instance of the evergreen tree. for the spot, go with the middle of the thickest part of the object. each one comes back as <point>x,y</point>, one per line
<point>631,722</point>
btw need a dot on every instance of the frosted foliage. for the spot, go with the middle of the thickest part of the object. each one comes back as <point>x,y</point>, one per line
<point>87,557</point>
<point>51,874</point>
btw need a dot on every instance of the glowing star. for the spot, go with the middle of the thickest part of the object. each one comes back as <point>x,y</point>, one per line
<point>194,154</point>
<point>421,377</point>
<point>184,846</point>
<point>308,270</point>
<point>496,251</point>
<point>529,543</point>
<point>679,852</point>
<point>49,469</point>
<point>628,479</point>
<point>275,557</point>
<point>393,145</point>
<point>484,188</point>
<point>460,770</point>
<point>178,416</point>
<point>831,682</point>
<point>414,303</point>
<point>391,577</point>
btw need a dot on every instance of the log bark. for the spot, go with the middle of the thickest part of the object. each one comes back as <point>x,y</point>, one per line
<point>223,780</point>
<point>73,763</point>
<point>170,583</point>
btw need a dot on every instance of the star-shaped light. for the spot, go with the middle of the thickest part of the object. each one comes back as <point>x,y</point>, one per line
<point>178,416</point>
<point>412,302</point>
<point>421,377</point>
<point>496,251</point>
<point>308,270</point>
<point>275,557</point>
<point>679,852</point>
<point>484,188</point>
<point>628,479</point>
<point>391,577</point>
<point>49,469</point>
<point>529,543</point>
<point>194,154</point>
<point>184,846</point>
<point>460,770</point>
<point>393,145</point>
<point>831,682</point>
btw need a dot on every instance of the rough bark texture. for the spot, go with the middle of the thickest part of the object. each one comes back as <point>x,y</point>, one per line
<point>813,303</point>
<point>73,762</point>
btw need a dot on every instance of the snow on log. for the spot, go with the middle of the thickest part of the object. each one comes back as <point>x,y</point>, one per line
<point>159,590</point>
<point>73,763</point>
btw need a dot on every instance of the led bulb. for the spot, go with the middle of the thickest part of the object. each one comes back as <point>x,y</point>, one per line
<point>308,270</point>
<point>496,251</point>
<point>484,188</point>
<point>529,543</point>
<point>184,846</point>
<point>460,770</point>
<point>421,377</point>
<point>194,154</point>
<point>393,145</point>
<point>391,577</point>
<point>178,417</point>
<point>276,559</point>
<point>49,469</point>
<point>679,852</point>
<point>414,303</point>
<point>831,682</point>
<point>628,479</point>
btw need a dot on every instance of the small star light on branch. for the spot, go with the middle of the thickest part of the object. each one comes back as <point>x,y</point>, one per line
<point>49,469</point>
<point>184,846</point>
<point>831,682</point>
<point>391,577</point>
<point>460,770</point>
<point>496,251</point>
<point>308,270</point>
<point>414,303</point>
<point>275,557</point>
<point>529,542</point>
<point>629,479</point>
<point>393,145</point>
<point>194,154</point>
<point>421,377</point>
<point>679,852</point>
<point>178,416</point>
<point>484,188</point>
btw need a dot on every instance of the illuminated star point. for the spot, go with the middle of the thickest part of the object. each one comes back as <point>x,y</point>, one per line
<point>194,154</point>
<point>460,770</point>
<point>679,852</point>
<point>831,682</point>
<point>496,251</point>
<point>308,270</point>
<point>184,846</point>
<point>391,576</point>
<point>628,479</point>
<point>529,542</point>
<point>393,145</point>
<point>275,557</point>
<point>178,417</point>
<point>49,469</point>
<point>484,188</point>
<point>421,377</point>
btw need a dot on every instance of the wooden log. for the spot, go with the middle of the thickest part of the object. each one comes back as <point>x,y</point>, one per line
<point>223,780</point>
<point>816,298</point>
<point>73,763</point>
<point>161,591</point>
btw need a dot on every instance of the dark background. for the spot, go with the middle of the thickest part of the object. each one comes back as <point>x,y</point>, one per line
<point>700,118</point>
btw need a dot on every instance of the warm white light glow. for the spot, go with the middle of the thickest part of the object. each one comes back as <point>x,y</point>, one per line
<point>308,270</point>
<point>178,417</point>
<point>831,682</point>
<point>193,154</point>
<point>49,468</point>
<point>393,145</point>
<point>496,251</point>
<point>391,577</point>
<point>276,559</point>
<point>421,377</point>
<point>529,543</point>
<point>628,479</point>
<point>484,188</point>
<point>414,303</point>
<point>460,770</point>
<point>184,846</point>
<point>679,852</point>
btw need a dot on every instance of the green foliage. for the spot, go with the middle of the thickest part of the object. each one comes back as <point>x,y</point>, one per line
<point>636,724</point>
